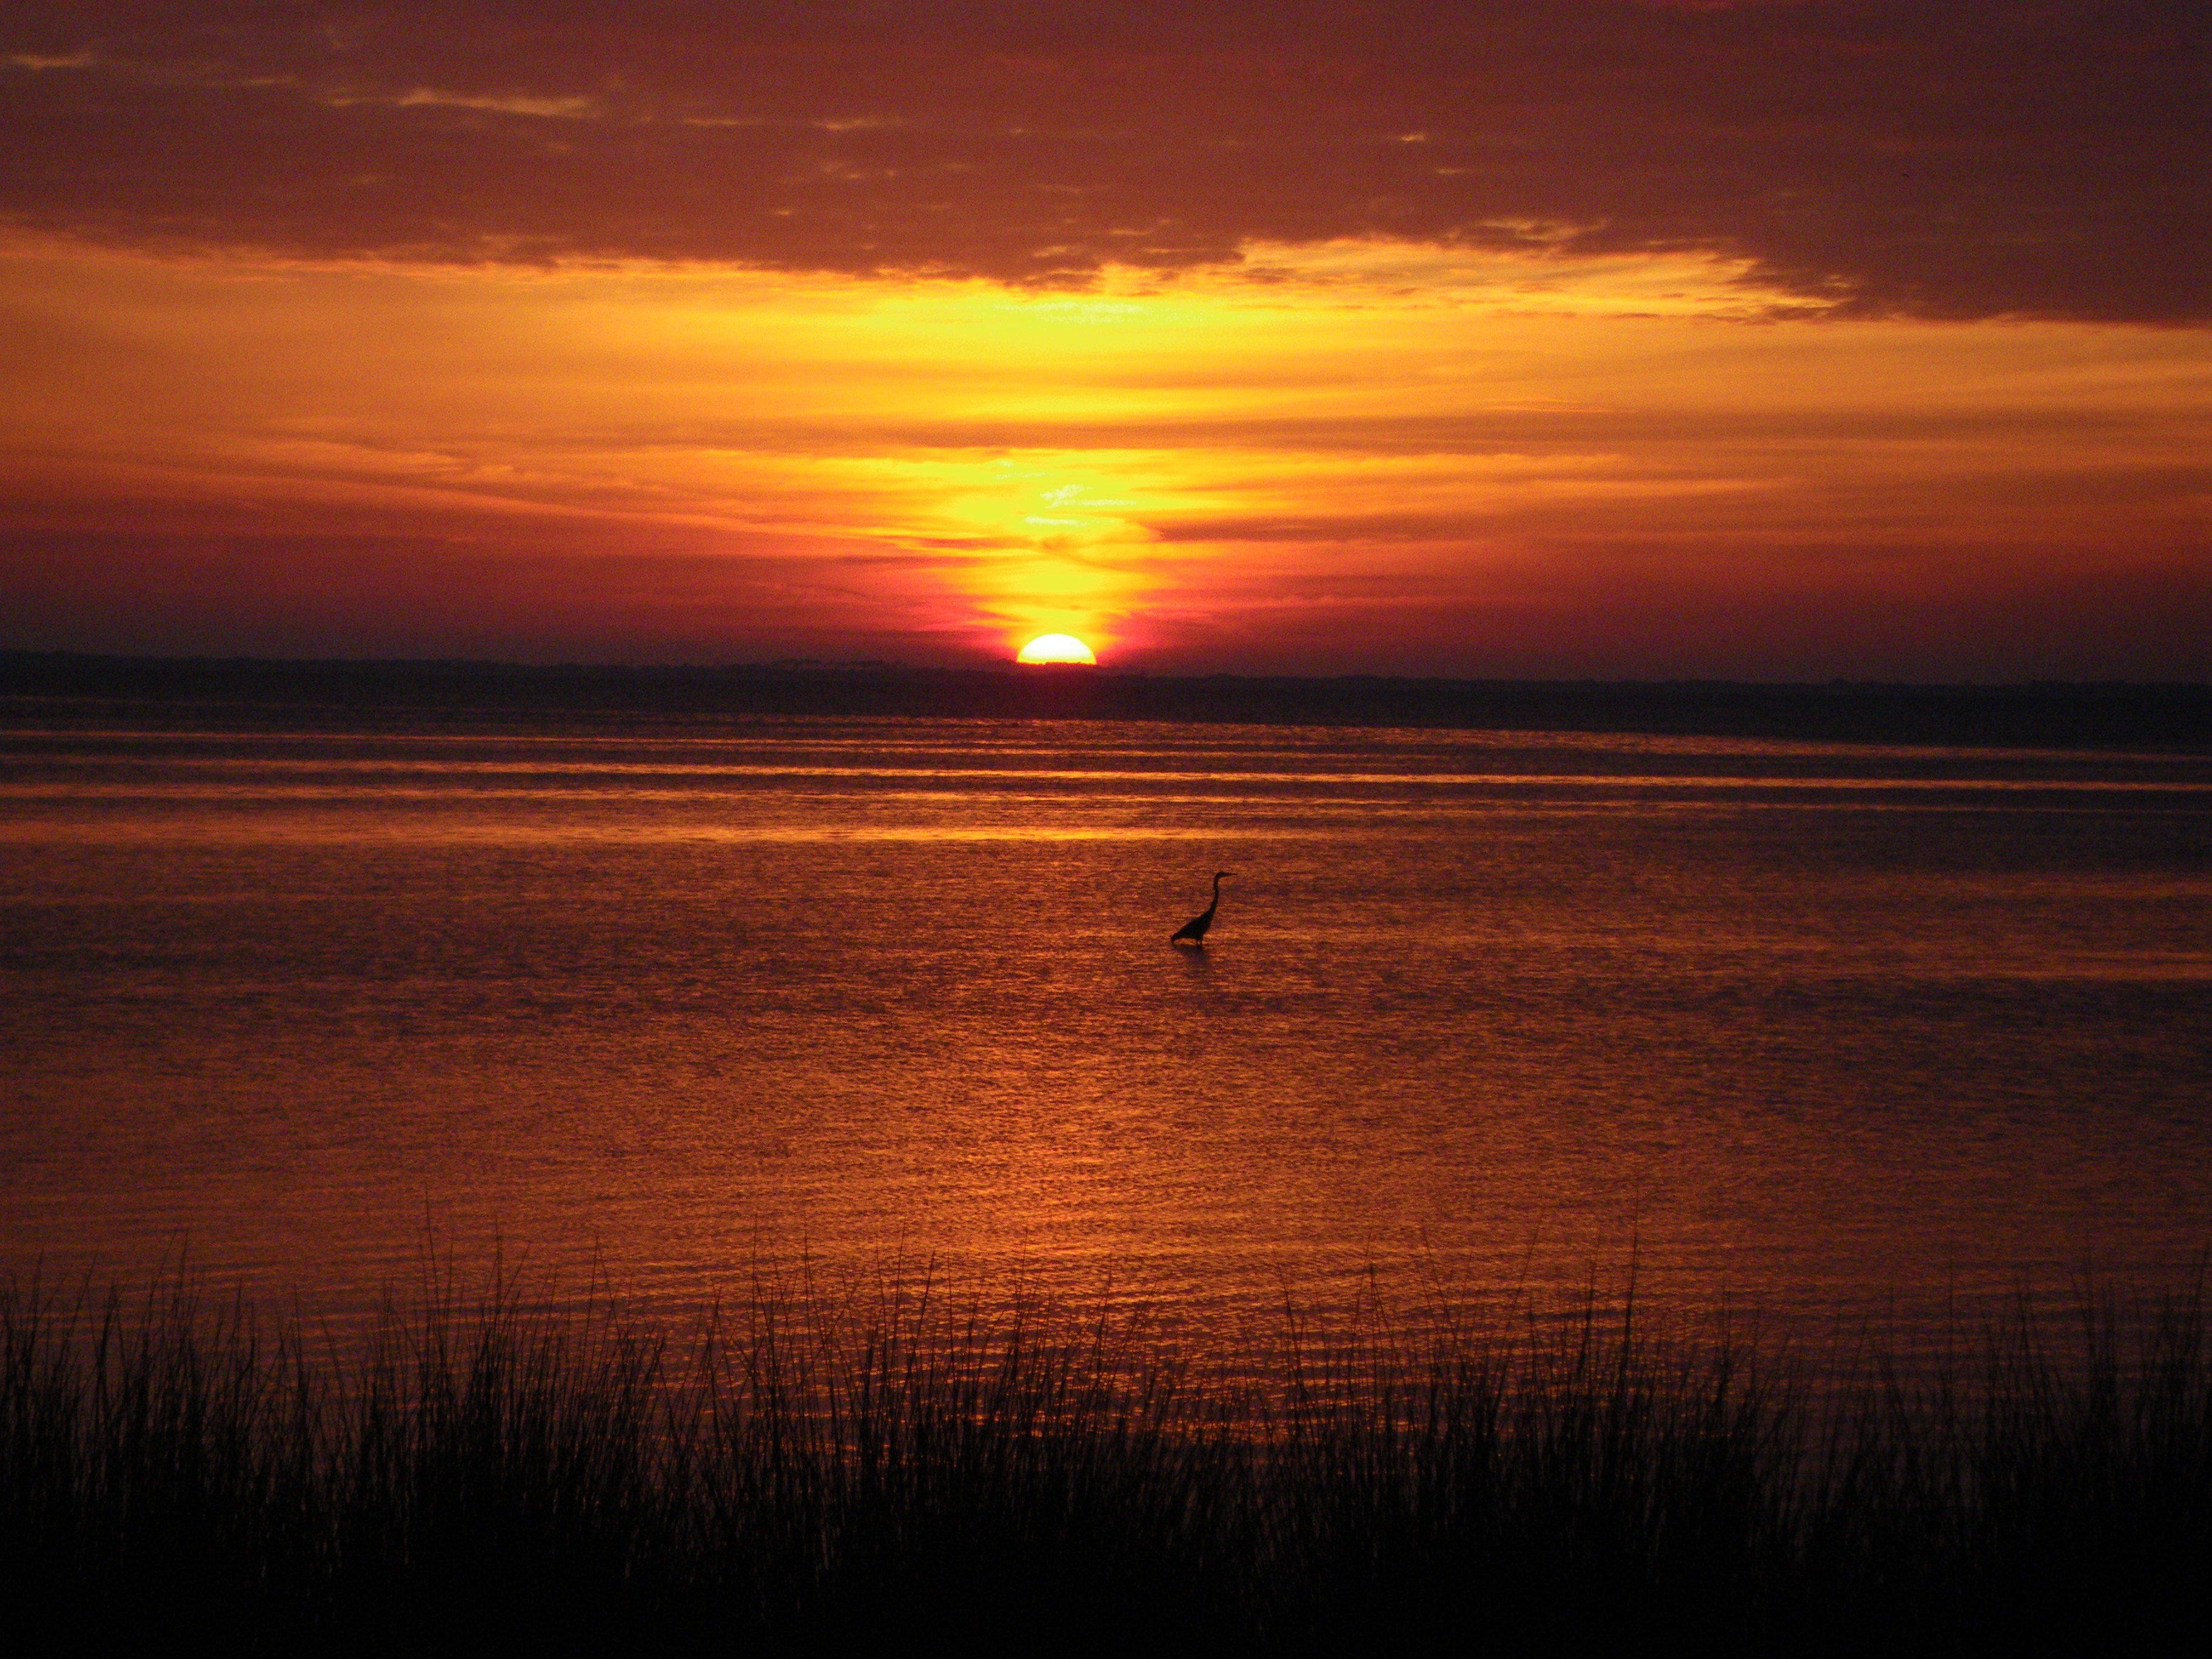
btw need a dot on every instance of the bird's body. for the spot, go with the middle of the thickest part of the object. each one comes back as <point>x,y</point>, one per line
<point>1194,929</point>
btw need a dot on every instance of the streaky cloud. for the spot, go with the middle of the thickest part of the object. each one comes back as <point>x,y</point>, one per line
<point>1983,159</point>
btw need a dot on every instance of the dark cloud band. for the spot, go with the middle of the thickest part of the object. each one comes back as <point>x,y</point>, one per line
<point>1974,159</point>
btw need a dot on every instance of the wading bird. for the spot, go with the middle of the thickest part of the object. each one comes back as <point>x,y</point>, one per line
<point>1194,929</point>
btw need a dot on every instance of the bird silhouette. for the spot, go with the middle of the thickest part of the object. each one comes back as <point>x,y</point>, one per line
<point>1194,929</point>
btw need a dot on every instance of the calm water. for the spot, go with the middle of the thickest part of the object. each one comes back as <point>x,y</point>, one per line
<point>1813,1025</point>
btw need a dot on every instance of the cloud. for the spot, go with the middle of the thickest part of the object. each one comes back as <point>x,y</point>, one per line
<point>1978,158</point>
<point>556,109</point>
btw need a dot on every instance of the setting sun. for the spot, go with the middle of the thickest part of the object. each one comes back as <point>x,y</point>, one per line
<point>1057,648</point>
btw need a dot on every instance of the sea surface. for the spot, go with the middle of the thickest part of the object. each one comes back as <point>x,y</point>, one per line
<point>1814,1028</point>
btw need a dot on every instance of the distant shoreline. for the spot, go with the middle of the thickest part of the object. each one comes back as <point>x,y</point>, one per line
<point>2095,715</point>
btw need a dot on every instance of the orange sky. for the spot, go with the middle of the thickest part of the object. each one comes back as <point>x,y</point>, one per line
<point>1345,445</point>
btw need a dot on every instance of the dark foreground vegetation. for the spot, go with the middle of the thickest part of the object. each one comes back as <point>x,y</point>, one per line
<point>820,1473</point>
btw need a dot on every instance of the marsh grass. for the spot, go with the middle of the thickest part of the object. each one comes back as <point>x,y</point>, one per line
<point>816,1471</point>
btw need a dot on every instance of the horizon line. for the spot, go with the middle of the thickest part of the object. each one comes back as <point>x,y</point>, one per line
<point>1011,669</point>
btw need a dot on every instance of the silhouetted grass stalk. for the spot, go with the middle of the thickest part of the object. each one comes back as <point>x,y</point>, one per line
<point>825,1468</point>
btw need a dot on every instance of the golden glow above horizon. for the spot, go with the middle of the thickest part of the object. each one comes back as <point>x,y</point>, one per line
<point>1062,648</point>
<point>1351,454</point>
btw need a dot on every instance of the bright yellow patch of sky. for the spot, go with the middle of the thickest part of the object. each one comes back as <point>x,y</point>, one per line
<point>1148,465</point>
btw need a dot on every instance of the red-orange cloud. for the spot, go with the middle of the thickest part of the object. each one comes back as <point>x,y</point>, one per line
<point>1783,340</point>
<point>1965,159</point>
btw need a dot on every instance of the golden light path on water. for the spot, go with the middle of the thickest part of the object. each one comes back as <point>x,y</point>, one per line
<point>1853,1028</point>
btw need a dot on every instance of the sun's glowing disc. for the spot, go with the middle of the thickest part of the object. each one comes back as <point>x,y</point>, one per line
<point>1057,648</point>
